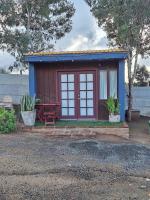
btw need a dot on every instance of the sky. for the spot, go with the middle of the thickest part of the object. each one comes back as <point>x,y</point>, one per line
<point>85,35</point>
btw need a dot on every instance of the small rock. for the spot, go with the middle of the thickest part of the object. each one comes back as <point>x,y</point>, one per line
<point>69,164</point>
<point>134,197</point>
<point>148,179</point>
<point>143,186</point>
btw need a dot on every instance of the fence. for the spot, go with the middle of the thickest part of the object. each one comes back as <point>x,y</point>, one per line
<point>141,100</point>
<point>17,85</point>
<point>13,85</point>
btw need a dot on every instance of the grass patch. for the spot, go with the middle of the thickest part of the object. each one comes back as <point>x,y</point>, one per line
<point>77,123</point>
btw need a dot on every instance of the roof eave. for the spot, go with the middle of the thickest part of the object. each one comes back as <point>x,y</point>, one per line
<point>76,57</point>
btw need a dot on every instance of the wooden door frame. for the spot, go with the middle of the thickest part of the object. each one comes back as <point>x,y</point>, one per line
<point>94,70</point>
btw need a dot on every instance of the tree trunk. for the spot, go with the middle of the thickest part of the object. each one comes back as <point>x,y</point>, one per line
<point>131,80</point>
<point>129,62</point>
<point>130,99</point>
<point>135,67</point>
<point>28,27</point>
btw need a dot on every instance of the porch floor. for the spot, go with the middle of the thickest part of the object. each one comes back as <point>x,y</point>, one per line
<point>81,129</point>
<point>82,124</point>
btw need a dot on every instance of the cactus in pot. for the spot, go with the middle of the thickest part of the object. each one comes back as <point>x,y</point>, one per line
<point>28,111</point>
<point>113,109</point>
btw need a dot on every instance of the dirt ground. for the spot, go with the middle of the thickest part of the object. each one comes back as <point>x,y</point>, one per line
<point>139,131</point>
<point>38,167</point>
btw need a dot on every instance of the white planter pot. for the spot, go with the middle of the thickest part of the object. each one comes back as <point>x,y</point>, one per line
<point>28,117</point>
<point>114,118</point>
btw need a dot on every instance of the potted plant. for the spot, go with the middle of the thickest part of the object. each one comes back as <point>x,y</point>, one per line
<point>113,109</point>
<point>28,111</point>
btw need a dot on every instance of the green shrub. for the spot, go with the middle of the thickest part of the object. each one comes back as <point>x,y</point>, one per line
<point>7,121</point>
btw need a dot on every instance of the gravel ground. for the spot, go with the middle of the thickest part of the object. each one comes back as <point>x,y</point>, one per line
<point>35,166</point>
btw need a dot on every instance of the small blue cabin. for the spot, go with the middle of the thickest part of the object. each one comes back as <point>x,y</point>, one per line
<point>81,81</point>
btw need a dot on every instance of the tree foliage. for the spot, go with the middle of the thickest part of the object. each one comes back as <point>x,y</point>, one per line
<point>33,25</point>
<point>142,76</point>
<point>127,24</point>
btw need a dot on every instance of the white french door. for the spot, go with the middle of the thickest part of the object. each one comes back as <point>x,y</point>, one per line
<point>77,95</point>
<point>86,95</point>
<point>67,95</point>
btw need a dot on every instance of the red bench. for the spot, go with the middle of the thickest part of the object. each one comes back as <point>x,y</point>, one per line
<point>48,113</point>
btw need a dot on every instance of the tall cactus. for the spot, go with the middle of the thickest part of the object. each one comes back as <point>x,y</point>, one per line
<point>27,103</point>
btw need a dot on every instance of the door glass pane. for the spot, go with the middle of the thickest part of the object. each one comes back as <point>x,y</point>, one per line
<point>89,77</point>
<point>71,112</point>
<point>82,77</point>
<point>83,95</point>
<point>113,83</point>
<point>67,95</point>
<point>64,111</point>
<point>64,86</point>
<point>103,84</point>
<point>64,78</point>
<point>71,103</point>
<point>82,103</point>
<point>64,103</point>
<point>70,86</point>
<point>71,95</point>
<point>89,103</point>
<point>90,111</point>
<point>83,111</point>
<point>82,86</point>
<point>64,95</point>
<point>71,78</point>
<point>90,95</point>
<point>90,86</point>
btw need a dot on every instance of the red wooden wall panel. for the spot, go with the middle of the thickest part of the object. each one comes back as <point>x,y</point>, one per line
<point>46,81</point>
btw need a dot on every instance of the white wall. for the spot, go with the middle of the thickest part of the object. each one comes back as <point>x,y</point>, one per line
<point>141,100</point>
<point>13,85</point>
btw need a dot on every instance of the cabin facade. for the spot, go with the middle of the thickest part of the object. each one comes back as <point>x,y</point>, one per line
<point>80,81</point>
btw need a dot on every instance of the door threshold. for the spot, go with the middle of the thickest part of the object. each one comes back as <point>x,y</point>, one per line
<point>87,119</point>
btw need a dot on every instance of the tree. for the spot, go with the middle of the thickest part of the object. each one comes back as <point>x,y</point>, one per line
<point>33,25</point>
<point>142,76</point>
<point>127,24</point>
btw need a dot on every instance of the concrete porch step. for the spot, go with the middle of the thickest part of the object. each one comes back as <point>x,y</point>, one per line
<point>78,131</point>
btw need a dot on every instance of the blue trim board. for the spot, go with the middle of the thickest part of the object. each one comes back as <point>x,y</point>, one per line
<point>32,80</point>
<point>75,57</point>
<point>122,89</point>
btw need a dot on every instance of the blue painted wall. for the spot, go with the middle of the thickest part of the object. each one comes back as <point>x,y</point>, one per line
<point>32,80</point>
<point>121,88</point>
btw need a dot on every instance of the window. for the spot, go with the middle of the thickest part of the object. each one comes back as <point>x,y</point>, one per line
<point>113,83</point>
<point>110,91</point>
<point>103,84</point>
